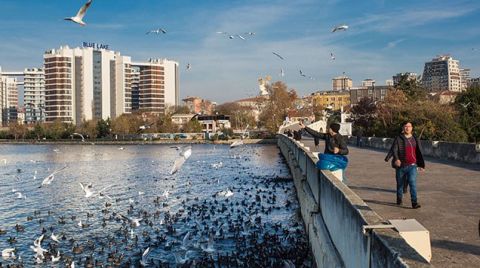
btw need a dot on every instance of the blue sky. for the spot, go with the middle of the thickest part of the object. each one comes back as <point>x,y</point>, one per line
<point>385,37</point>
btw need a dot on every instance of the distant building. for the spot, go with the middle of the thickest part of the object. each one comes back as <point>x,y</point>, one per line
<point>464,78</point>
<point>333,100</point>
<point>214,123</point>
<point>389,82</point>
<point>475,82</point>
<point>182,119</point>
<point>254,104</point>
<point>34,95</point>
<point>368,83</point>
<point>8,99</point>
<point>444,97</point>
<point>398,77</point>
<point>198,105</point>
<point>341,83</point>
<point>442,73</point>
<point>376,93</point>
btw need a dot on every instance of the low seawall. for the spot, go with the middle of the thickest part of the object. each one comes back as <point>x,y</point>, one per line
<point>463,152</point>
<point>334,217</point>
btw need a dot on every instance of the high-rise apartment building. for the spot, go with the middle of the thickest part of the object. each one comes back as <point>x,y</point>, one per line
<point>158,85</point>
<point>464,79</point>
<point>34,95</point>
<point>442,73</point>
<point>86,83</point>
<point>8,99</point>
<point>341,83</point>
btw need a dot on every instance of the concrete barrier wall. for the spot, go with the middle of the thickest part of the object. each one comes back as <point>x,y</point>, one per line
<point>464,152</point>
<point>334,217</point>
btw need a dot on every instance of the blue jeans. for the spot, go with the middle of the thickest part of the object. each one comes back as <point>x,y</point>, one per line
<point>408,173</point>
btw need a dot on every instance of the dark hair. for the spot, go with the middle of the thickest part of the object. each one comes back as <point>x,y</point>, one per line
<point>406,122</point>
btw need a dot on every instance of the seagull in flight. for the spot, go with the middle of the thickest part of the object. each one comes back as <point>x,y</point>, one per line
<point>278,55</point>
<point>81,13</point>
<point>50,177</point>
<point>332,56</point>
<point>342,27</point>
<point>144,261</point>
<point>282,72</point>
<point>157,31</point>
<point>189,66</point>
<point>302,74</point>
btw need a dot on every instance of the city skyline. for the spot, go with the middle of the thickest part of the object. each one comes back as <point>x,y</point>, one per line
<point>383,39</point>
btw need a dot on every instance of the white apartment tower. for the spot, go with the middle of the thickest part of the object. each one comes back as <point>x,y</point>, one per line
<point>34,95</point>
<point>85,84</point>
<point>342,83</point>
<point>8,99</point>
<point>442,73</point>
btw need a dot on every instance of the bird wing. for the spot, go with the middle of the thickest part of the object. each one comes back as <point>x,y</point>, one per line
<point>146,253</point>
<point>83,9</point>
<point>163,30</point>
<point>276,54</point>
<point>241,37</point>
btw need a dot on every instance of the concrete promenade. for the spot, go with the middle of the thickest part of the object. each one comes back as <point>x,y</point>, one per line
<point>448,192</point>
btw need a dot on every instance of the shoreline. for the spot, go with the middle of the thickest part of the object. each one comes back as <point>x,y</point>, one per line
<point>133,142</point>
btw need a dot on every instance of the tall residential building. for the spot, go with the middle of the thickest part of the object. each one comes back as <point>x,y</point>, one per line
<point>464,79</point>
<point>368,83</point>
<point>398,77</point>
<point>34,95</point>
<point>158,85</point>
<point>85,83</point>
<point>341,83</point>
<point>135,89</point>
<point>8,99</point>
<point>442,73</point>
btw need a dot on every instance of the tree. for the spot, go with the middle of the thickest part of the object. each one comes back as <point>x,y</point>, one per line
<point>38,131</point>
<point>126,124</point>
<point>468,105</point>
<point>164,124</point>
<point>240,116</point>
<point>89,128</point>
<point>17,130</point>
<point>364,116</point>
<point>412,88</point>
<point>277,106</point>
<point>103,127</point>
<point>192,126</point>
<point>55,130</point>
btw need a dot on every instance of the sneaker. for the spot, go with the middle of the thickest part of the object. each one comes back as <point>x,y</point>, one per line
<point>399,201</point>
<point>416,205</point>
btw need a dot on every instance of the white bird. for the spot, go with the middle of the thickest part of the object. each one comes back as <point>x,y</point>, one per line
<point>187,152</point>
<point>134,222</point>
<point>189,66</point>
<point>302,74</point>
<point>186,241</point>
<point>121,148</point>
<point>157,31</point>
<point>166,194</point>
<point>250,33</point>
<point>20,196</point>
<point>217,165</point>
<point>282,72</point>
<point>225,193</point>
<point>236,143</point>
<point>87,189</point>
<point>278,55</point>
<point>241,37</point>
<point>8,253</point>
<point>332,56</point>
<point>465,105</point>
<point>54,238</point>
<point>141,193</point>
<point>177,165</point>
<point>342,27</point>
<point>57,258</point>
<point>144,261</point>
<point>81,13</point>
<point>50,177</point>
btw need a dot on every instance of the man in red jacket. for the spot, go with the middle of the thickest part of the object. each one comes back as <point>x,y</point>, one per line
<point>407,159</point>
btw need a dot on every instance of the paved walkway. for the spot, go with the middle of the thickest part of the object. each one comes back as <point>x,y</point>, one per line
<point>448,192</point>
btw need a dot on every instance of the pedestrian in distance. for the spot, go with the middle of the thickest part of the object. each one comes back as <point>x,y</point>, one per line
<point>407,159</point>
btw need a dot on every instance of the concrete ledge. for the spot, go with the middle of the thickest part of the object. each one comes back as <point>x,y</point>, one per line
<point>334,216</point>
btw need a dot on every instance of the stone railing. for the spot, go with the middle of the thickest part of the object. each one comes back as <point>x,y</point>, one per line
<point>334,217</point>
<point>463,152</point>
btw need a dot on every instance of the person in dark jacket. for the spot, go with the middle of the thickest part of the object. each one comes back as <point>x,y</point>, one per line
<point>334,141</point>
<point>407,158</point>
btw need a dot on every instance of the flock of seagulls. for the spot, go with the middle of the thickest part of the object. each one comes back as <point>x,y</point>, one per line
<point>243,36</point>
<point>196,222</point>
